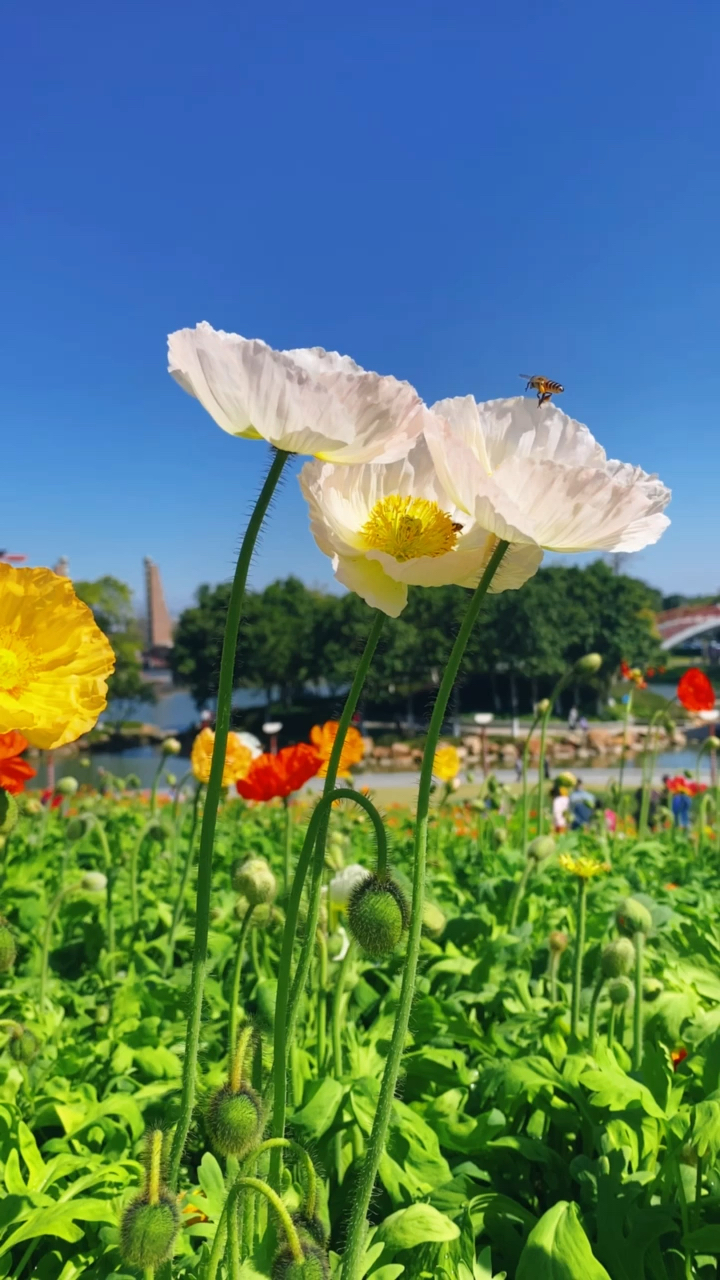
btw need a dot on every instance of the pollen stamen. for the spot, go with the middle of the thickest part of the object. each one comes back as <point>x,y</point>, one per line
<point>406,528</point>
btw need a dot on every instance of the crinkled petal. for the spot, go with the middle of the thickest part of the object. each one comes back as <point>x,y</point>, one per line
<point>304,401</point>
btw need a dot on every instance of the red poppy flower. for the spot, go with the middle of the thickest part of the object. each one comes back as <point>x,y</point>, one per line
<point>625,670</point>
<point>270,776</point>
<point>54,796</point>
<point>695,691</point>
<point>677,1056</point>
<point>14,772</point>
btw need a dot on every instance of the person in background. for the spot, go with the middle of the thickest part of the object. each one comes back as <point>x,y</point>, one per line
<point>560,805</point>
<point>583,724</point>
<point>572,718</point>
<point>582,804</point>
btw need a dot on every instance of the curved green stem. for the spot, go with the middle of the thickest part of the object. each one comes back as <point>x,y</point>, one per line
<point>520,893</point>
<point>47,934</point>
<point>184,881</point>
<point>214,790</point>
<point>366,1179</point>
<point>579,949</point>
<point>153,789</point>
<point>287,852</point>
<point>287,1003</point>
<point>592,1028</point>
<point>611,1025</point>
<point>639,941</point>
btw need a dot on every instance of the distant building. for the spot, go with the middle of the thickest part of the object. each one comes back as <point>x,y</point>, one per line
<point>62,567</point>
<point>159,639</point>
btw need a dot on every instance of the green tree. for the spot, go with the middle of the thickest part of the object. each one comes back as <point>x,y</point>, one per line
<point>111,603</point>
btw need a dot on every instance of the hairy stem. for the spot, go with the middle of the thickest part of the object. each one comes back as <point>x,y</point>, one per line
<point>639,941</point>
<point>579,949</point>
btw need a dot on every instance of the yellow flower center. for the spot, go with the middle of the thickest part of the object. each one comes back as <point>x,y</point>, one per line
<point>15,663</point>
<point>409,527</point>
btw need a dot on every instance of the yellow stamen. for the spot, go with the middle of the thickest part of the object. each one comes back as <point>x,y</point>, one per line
<point>409,527</point>
<point>15,663</point>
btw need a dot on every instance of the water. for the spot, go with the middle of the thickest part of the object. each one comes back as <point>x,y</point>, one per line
<point>176,710</point>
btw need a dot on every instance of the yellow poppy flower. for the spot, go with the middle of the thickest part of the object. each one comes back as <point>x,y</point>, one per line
<point>446,764</point>
<point>238,757</point>
<point>54,659</point>
<point>583,867</point>
<point>323,737</point>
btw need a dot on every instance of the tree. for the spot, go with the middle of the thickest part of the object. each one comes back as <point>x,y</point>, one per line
<point>111,603</point>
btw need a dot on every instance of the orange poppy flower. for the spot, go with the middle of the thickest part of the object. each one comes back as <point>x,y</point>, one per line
<point>14,772</point>
<point>677,1056</point>
<point>270,776</point>
<point>695,691</point>
<point>353,749</point>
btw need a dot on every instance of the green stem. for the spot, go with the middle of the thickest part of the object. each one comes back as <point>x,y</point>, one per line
<point>98,829</point>
<point>337,1012</point>
<point>649,767</point>
<point>178,909</point>
<point>235,991</point>
<point>153,789</point>
<point>366,1179</point>
<point>214,791</point>
<point>525,795</point>
<point>553,968</point>
<point>623,752</point>
<point>285,1012</point>
<point>520,893</point>
<point>592,1029</point>
<point>322,999</point>
<point>52,912</point>
<point>639,941</point>
<point>579,949</point>
<point>150,826</point>
<point>611,1025</point>
<point>287,859</point>
<point>559,686</point>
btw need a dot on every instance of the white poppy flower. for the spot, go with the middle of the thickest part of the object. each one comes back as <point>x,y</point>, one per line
<point>389,527</point>
<point>342,885</point>
<point>535,475</point>
<point>305,401</point>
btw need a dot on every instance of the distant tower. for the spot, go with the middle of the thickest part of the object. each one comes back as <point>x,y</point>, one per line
<point>159,626</point>
<point>62,567</point>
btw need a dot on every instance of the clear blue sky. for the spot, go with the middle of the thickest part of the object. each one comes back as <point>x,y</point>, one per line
<point>451,192</point>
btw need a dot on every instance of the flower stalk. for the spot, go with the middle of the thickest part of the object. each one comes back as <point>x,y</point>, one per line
<point>582,891</point>
<point>212,801</point>
<point>368,1172</point>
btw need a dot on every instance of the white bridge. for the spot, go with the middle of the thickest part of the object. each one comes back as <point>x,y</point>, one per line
<point>678,625</point>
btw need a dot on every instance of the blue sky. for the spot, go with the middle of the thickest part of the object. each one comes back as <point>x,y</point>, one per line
<point>451,192</point>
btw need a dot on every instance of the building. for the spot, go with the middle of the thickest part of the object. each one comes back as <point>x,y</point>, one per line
<point>158,636</point>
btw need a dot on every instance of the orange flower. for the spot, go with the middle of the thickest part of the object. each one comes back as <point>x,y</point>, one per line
<point>695,691</point>
<point>677,1056</point>
<point>238,757</point>
<point>353,748</point>
<point>14,772</point>
<point>270,776</point>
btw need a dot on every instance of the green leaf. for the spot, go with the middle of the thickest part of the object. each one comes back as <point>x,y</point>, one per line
<point>706,1129</point>
<point>613,1089</point>
<point>210,1177</point>
<point>558,1249</point>
<point>418,1224</point>
<point>316,1117</point>
<point>704,1240</point>
<point>158,1062</point>
<point>31,1155</point>
<point>59,1220</point>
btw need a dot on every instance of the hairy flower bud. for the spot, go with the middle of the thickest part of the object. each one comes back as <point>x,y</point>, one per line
<point>235,1120</point>
<point>23,1045</point>
<point>620,990</point>
<point>632,917</point>
<point>255,881</point>
<point>311,1230</point>
<point>8,949</point>
<point>75,829</point>
<point>558,942</point>
<point>540,848</point>
<point>148,1231</point>
<point>588,664</point>
<point>94,882</point>
<point>8,812</point>
<point>67,786</point>
<point>618,958</point>
<point>377,915</point>
<point>171,747</point>
<point>314,1265</point>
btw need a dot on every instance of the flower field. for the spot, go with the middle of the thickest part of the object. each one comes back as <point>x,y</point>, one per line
<point>515,1145</point>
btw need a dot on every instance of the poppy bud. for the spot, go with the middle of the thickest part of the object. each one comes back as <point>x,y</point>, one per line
<point>33,806</point>
<point>147,1231</point>
<point>618,958</point>
<point>632,917</point>
<point>235,1120</point>
<point>540,848</point>
<point>313,1266</point>
<point>620,990</point>
<point>377,915</point>
<point>170,747</point>
<point>94,882</point>
<point>589,664</point>
<point>8,812</point>
<point>713,742</point>
<point>543,706</point>
<point>67,786</point>
<point>433,920</point>
<point>558,942</point>
<point>171,779</point>
<point>255,881</point>
<point>8,949</point>
<point>75,829</point>
<point>311,1230</point>
<point>23,1045</point>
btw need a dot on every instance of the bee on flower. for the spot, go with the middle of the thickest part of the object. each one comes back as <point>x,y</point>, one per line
<point>584,867</point>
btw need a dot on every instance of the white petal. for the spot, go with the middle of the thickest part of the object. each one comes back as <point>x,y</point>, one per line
<point>305,401</point>
<point>465,567</point>
<point>369,581</point>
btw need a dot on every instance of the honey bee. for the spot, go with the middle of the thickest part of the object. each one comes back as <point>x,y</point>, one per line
<point>545,387</point>
<point>457,528</point>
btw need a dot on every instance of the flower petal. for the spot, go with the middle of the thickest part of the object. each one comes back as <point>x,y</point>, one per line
<point>368,580</point>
